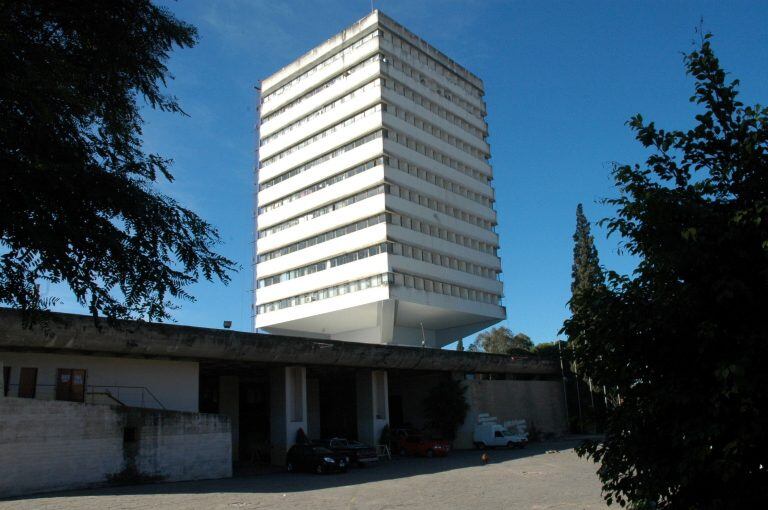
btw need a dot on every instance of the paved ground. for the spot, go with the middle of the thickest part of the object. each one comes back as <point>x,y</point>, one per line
<point>525,479</point>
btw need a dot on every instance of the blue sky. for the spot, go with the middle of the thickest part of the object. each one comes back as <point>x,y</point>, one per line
<point>561,79</point>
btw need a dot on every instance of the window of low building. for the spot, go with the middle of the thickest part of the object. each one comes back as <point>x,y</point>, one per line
<point>70,384</point>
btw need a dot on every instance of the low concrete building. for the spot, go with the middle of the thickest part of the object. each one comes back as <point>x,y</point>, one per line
<point>260,389</point>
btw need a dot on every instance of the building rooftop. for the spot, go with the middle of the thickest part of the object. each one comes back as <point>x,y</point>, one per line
<point>69,333</point>
<point>375,18</point>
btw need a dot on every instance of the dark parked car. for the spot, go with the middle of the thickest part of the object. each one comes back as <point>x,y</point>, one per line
<point>359,454</point>
<point>309,457</point>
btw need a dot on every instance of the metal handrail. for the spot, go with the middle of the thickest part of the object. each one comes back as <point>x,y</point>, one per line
<point>142,388</point>
<point>92,391</point>
<point>106,394</point>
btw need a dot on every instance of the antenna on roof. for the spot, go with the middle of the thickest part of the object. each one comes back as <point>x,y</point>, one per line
<point>371,5</point>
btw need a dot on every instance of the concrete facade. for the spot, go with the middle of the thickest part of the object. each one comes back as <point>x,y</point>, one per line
<point>51,445</point>
<point>68,333</point>
<point>155,384</point>
<point>265,387</point>
<point>378,142</point>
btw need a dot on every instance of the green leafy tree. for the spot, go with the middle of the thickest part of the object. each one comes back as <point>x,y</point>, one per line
<point>446,407</point>
<point>460,345</point>
<point>501,340</point>
<point>547,350</point>
<point>76,187</point>
<point>682,343</point>
<point>520,341</point>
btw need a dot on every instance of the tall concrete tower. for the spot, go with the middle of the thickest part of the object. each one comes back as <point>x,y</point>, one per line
<point>375,206</point>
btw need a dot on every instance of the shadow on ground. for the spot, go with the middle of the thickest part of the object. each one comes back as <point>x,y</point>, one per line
<point>282,482</point>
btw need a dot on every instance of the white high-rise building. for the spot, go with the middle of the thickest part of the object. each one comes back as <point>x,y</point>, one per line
<point>375,210</point>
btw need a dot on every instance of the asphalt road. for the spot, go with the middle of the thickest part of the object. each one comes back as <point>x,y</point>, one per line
<point>526,479</point>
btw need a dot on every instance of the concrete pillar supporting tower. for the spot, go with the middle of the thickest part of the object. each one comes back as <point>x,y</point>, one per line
<point>372,404</point>
<point>288,409</point>
<point>229,405</point>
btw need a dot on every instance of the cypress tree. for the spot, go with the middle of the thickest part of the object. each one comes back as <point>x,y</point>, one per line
<point>460,345</point>
<point>586,272</point>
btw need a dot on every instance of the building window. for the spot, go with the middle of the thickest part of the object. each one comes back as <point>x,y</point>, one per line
<point>70,384</point>
<point>27,382</point>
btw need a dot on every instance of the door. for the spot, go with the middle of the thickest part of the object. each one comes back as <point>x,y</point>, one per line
<point>27,382</point>
<point>70,384</point>
<point>6,380</point>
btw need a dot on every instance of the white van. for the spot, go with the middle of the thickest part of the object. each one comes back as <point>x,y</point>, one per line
<point>491,434</point>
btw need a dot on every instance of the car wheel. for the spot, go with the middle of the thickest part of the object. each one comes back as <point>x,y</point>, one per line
<point>290,467</point>
<point>510,445</point>
<point>481,445</point>
<point>430,453</point>
<point>319,469</point>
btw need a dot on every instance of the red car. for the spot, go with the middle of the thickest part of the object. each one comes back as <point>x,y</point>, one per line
<point>415,443</point>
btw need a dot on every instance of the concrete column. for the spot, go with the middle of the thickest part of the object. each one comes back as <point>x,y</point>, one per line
<point>372,404</point>
<point>229,405</point>
<point>387,311</point>
<point>313,408</point>
<point>288,409</point>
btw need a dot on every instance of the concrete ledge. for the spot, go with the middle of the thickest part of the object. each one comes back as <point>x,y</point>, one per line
<point>79,333</point>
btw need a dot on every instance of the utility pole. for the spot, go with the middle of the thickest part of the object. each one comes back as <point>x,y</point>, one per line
<point>594,412</point>
<point>578,397</point>
<point>565,389</point>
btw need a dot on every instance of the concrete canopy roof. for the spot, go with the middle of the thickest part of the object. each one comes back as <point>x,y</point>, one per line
<point>71,334</point>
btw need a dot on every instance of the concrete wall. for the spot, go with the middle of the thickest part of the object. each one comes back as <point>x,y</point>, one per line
<point>173,383</point>
<point>538,402</point>
<point>51,445</point>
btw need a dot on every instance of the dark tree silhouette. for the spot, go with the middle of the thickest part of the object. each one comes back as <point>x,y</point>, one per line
<point>445,408</point>
<point>501,340</point>
<point>76,186</point>
<point>682,344</point>
<point>585,272</point>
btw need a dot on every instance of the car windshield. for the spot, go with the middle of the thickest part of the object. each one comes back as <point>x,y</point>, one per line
<point>321,449</point>
<point>339,443</point>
